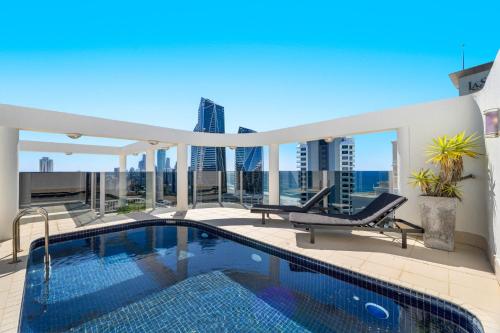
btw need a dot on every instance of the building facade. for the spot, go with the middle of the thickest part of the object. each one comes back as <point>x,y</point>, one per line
<point>249,161</point>
<point>142,163</point>
<point>210,120</point>
<point>161,161</point>
<point>248,158</point>
<point>338,158</point>
<point>46,165</point>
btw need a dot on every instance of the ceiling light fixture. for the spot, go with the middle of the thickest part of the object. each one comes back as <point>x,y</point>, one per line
<point>328,139</point>
<point>74,136</point>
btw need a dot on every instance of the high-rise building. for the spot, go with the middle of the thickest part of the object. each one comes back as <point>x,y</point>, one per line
<point>161,160</point>
<point>167,164</point>
<point>249,159</point>
<point>142,163</point>
<point>46,164</point>
<point>320,155</point>
<point>210,120</point>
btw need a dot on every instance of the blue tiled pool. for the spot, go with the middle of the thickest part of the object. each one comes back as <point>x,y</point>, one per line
<point>189,277</point>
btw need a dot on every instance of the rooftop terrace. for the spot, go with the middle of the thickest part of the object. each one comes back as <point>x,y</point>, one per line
<point>468,276</point>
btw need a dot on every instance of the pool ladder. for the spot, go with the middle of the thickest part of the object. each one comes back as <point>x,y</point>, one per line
<point>16,236</point>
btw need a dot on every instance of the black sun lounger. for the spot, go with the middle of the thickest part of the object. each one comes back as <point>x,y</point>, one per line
<point>371,218</point>
<point>277,209</point>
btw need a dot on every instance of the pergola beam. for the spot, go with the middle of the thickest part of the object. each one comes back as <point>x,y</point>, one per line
<point>56,147</point>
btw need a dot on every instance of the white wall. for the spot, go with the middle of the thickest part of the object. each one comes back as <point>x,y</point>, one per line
<point>448,117</point>
<point>489,98</point>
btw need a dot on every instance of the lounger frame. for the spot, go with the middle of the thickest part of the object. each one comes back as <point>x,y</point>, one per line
<point>378,225</point>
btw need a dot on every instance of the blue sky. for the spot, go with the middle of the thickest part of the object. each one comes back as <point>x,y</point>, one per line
<point>271,65</point>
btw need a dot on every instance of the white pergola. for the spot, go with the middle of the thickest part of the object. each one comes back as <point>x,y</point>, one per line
<point>149,138</point>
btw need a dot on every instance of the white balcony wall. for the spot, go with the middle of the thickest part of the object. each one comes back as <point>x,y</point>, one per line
<point>487,99</point>
<point>427,121</point>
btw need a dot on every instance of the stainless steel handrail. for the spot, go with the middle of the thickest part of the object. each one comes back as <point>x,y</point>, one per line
<point>16,235</point>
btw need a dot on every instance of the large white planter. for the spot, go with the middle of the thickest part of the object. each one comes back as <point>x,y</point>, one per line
<point>438,219</point>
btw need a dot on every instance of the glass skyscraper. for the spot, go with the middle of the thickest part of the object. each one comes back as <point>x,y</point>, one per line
<point>161,160</point>
<point>248,158</point>
<point>210,120</point>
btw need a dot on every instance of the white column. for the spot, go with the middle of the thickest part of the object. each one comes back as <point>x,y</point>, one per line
<point>150,179</point>
<point>403,159</point>
<point>274,174</point>
<point>102,193</point>
<point>182,177</point>
<point>9,180</point>
<point>122,181</point>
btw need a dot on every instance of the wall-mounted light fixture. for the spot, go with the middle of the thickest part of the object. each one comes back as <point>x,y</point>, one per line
<point>328,139</point>
<point>491,123</point>
<point>74,136</point>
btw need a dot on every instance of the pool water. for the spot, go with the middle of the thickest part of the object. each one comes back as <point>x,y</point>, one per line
<point>177,278</point>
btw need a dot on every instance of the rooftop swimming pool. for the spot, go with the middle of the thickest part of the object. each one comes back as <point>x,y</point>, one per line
<point>182,276</point>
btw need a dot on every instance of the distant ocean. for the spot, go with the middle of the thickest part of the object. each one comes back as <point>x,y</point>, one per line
<point>365,181</point>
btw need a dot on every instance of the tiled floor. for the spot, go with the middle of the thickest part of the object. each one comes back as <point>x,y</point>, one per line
<point>463,277</point>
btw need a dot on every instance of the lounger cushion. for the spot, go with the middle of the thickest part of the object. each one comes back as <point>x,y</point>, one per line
<point>282,208</point>
<point>320,219</point>
<point>377,209</point>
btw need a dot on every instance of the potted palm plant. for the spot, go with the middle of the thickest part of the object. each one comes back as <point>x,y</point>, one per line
<point>440,190</point>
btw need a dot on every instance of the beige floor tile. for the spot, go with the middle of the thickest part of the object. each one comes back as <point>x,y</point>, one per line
<point>470,258</point>
<point>388,260</point>
<point>425,282</point>
<point>372,268</point>
<point>483,299</point>
<point>486,282</point>
<point>429,270</point>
